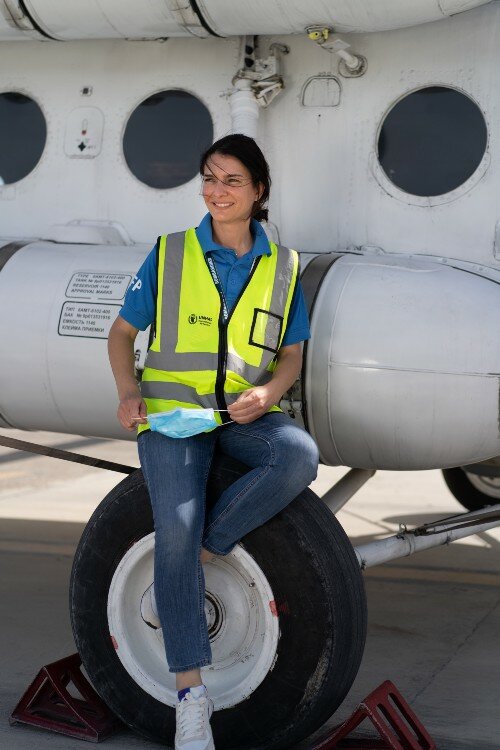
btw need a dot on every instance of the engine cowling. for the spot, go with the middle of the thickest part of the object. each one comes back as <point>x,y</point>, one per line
<point>403,368</point>
<point>402,371</point>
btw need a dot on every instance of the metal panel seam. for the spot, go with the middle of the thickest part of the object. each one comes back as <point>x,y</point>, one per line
<point>196,9</point>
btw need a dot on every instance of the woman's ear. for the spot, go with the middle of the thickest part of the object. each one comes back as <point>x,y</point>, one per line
<point>260,191</point>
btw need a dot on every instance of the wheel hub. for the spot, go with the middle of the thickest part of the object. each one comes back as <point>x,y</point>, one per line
<point>214,612</point>
<point>241,618</point>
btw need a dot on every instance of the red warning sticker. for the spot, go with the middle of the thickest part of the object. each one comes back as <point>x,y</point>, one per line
<point>115,644</point>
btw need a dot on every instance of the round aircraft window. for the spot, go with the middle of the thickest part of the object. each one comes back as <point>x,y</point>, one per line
<point>23,133</point>
<point>165,137</point>
<point>432,141</point>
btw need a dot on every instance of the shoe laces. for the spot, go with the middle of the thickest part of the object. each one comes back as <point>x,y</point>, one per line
<point>191,720</point>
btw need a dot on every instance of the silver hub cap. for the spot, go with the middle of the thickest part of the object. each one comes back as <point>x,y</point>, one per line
<point>241,617</point>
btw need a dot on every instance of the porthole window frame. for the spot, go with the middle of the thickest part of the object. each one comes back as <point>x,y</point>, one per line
<point>143,97</point>
<point>394,191</point>
<point>29,95</point>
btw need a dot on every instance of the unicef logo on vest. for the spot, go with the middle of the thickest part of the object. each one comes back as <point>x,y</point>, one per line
<point>204,320</point>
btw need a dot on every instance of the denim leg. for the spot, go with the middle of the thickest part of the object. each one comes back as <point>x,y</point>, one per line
<point>283,459</point>
<point>176,471</point>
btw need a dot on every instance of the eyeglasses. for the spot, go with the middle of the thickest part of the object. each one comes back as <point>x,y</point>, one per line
<point>209,182</point>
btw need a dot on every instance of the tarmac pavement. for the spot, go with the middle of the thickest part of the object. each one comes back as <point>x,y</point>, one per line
<point>434,618</point>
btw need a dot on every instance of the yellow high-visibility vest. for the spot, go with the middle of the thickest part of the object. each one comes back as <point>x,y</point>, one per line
<point>203,355</point>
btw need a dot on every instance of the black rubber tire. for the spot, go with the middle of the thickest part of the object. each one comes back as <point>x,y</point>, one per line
<point>464,491</point>
<point>319,592</point>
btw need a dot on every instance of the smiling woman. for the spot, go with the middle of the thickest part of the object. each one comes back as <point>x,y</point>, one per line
<point>228,317</point>
<point>232,195</point>
<point>221,170</point>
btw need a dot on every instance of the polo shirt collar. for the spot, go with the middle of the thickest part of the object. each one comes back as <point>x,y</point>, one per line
<point>260,242</point>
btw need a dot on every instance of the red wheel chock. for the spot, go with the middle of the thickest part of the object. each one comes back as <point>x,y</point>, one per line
<point>48,704</point>
<point>397,725</point>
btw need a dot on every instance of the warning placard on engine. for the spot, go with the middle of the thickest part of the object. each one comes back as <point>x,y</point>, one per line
<point>87,319</point>
<point>95,285</point>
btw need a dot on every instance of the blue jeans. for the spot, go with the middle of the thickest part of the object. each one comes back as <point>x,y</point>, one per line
<point>283,460</point>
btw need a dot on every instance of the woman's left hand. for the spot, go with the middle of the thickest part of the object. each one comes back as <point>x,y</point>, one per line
<point>253,403</point>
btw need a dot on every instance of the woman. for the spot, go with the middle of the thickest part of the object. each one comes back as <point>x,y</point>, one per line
<point>229,318</point>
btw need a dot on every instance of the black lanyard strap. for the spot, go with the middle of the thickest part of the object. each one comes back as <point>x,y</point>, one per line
<point>216,279</point>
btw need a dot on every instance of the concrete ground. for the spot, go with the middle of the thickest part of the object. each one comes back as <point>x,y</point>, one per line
<point>434,619</point>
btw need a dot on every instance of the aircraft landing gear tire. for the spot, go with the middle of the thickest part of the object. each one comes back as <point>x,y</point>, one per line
<point>286,613</point>
<point>473,491</point>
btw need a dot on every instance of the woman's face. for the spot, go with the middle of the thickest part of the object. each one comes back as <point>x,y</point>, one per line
<point>228,190</point>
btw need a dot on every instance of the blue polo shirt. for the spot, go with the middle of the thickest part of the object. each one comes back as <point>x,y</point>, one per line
<point>139,306</point>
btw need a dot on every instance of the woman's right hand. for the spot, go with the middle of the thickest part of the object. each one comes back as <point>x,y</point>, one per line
<point>132,411</point>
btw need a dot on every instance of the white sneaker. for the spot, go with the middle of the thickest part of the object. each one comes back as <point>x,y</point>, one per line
<point>193,730</point>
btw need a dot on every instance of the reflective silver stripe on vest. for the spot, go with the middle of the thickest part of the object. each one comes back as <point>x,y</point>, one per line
<point>165,391</point>
<point>284,276</point>
<point>175,392</point>
<point>249,372</point>
<point>184,361</point>
<point>167,358</point>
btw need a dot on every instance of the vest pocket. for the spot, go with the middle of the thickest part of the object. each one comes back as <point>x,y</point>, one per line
<point>266,330</point>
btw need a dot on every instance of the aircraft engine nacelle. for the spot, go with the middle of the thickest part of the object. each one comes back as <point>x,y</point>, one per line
<point>156,19</point>
<point>57,304</point>
<point>403,368</point>
<point>402,371</point>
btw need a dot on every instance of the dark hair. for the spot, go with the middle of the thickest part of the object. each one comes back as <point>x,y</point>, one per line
<point>245,149</point>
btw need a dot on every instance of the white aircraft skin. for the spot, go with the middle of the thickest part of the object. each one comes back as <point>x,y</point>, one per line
<point>403,367</point>
<point>328,192</point>
<point>387,390</point>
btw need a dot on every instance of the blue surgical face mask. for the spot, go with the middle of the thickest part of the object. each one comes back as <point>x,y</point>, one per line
<point>182,423</point>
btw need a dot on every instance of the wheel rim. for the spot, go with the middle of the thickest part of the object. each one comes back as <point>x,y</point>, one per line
<point>241,617</point>
<point>489,486</point>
